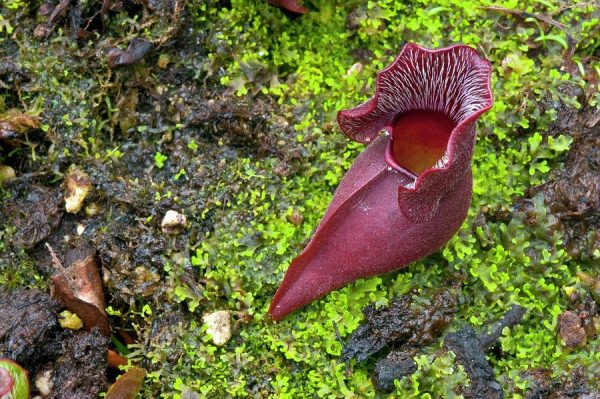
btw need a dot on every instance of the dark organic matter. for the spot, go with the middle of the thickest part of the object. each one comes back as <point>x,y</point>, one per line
<point>470,349</point>
<point>36,211</point>
<point>570,328</point>
<point>30,335</point>
<point>394,366</point>
<point>571,385</point>
<point>29,328</point>
<point>403,322</point>
<point>573,194</point>
<point>81,370</point>
<point>408,193</point>
<point>138,48</point>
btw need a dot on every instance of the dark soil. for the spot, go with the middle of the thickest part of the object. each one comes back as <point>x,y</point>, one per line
<point>403,322</point>
<point>121,217</point>
<point>403,326</point>
<point>31,336</point>
<point>573,192</point>
<point>470,348</point>
<point>571,386</point>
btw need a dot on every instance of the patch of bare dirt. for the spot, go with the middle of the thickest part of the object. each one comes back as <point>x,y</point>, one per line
<point>74,362</point>
<point>573,191</point>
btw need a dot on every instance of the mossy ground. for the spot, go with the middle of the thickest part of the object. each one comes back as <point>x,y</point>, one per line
<point>232,121</point>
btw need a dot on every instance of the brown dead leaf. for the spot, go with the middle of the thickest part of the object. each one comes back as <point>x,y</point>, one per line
<point>115,360</point>
<point>128,385</point>
<point>80,289</point>
<point>135,51</point>
<point>14,123</point>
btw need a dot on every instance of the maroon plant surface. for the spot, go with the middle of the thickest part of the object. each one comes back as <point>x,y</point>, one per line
<point>409,191</point>
<point>6,382</point>
<point>290,5</point>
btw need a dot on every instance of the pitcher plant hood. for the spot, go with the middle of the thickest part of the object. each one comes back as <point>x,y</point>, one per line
<point>409,191</point>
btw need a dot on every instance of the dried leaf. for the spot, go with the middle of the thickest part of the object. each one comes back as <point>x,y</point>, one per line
<point>115,360</point>
<point>43,30</point>
<point>14,123</point>
<point>80,289</point>
<point>128,385</point>
<point>135,51</point>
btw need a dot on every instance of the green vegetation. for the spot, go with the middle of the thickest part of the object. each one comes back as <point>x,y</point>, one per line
<point>240,238</point>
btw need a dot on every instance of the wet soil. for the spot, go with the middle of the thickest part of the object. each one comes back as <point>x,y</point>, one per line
<point>573,192</point>
<point>400,329</point>
<point>75,361</point>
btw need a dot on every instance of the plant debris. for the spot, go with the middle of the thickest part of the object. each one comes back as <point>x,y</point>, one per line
<point>406,321</point>
<point>80,371</point>
<point>128,385</point>
<point>570,328</point>
<point>572,385</point>
<point>14,123</point>
<point>29,330</point>
<point>35,211</point>
<point>137,49</point>
<point>470,349</point>
<point>30,335</point>
<point>573,192</point>
<point>394,366</point>
<point>79,287</point>
<point>77,187</point>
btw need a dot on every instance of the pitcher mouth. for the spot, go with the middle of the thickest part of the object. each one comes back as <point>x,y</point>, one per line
<point>419,142</point>
<point>452,82</point>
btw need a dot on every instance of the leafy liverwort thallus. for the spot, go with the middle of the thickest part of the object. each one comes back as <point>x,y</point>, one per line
<point>409,191</point>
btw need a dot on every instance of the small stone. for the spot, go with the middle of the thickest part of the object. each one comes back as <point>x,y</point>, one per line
<point>44,382</point>
<point>355,69</point>
<point>570,329</point>
<point>77,187</point>
<point>218,326</point>
<point>80,229</point>
<point>173,222</point>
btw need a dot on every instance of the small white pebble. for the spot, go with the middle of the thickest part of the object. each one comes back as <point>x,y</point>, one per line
<point>356,68</point>
<point>77,187</point>
<point>218,326</point>
<point>80,229</point>
<point>173,222</point>
<point>43,382</point>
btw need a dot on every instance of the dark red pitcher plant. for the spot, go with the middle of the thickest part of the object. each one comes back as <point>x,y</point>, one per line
<point>409,191</point>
